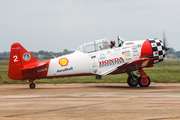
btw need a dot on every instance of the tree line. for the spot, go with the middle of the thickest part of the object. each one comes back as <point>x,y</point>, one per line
<point>41,55</point>
<point>172,51</point>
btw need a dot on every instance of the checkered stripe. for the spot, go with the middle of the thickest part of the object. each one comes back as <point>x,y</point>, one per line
<point>158,50</point>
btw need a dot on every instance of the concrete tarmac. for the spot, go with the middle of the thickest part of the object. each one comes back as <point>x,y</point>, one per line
<point>90,102</point>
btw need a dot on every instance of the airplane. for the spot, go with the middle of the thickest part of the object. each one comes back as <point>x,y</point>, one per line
<point>92,58</point>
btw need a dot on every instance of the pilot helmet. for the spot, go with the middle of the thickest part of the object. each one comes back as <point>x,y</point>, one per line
<point>112,42</point>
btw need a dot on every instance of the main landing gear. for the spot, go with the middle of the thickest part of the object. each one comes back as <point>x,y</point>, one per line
<point>32,85</point>
<point>142,81</point>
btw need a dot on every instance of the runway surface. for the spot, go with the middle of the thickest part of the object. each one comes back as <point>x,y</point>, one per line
<point>90,102</point>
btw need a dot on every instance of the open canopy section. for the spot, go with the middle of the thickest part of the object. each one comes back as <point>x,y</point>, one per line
<point>94,46</point>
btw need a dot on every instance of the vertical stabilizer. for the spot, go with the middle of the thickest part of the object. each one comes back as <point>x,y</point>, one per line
<point>19,57</point>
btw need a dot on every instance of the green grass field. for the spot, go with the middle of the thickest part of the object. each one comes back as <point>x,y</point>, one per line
<point>165,72</point>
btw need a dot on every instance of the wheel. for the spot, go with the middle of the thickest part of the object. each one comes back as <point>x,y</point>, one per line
<point>98,76</point>
<point>144,82</point>
<point>32,85</point>
<point>132,81</point>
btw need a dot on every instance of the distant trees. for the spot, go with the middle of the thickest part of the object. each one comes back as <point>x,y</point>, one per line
<point>44,55</point>
<point>178,54</point>
<point>65,52</point>
<point>171,51</point>
<point>4,56</point>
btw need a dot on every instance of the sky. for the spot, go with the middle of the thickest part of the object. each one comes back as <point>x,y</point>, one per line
<point>54,25</point>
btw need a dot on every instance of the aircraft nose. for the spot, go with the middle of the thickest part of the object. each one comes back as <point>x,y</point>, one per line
<point>153,48</point>
<point>158,48</point>
<point>146,49</point>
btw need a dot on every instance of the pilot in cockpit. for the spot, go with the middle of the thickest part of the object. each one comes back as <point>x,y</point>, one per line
<point>112,44</point>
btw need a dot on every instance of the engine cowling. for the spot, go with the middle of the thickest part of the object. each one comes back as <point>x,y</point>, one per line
<point>153,48</point>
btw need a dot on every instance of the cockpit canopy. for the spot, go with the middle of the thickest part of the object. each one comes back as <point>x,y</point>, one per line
<point>94,46</point>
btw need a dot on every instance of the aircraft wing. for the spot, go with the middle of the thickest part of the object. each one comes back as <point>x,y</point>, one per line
<point>128,67</point>
<point>109,71</point>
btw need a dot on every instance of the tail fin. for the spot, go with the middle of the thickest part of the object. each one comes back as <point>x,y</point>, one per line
<point>19,57</point>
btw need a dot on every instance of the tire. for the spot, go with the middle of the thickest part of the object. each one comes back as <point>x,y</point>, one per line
<point>32,85</point>
<point>98,76</point>
<point>144,82</point>
<point>132,82</point>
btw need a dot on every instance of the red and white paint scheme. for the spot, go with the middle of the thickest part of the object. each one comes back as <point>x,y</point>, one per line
<point>93,58</point>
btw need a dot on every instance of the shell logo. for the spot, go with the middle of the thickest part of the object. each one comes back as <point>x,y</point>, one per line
<point>63,62</point>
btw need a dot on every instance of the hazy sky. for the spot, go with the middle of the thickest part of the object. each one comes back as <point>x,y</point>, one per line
<point>54,25</point>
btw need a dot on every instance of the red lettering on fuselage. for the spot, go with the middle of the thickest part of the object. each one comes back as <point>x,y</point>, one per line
<point>111,62</point>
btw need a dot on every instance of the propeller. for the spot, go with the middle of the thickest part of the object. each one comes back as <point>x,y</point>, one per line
<point>164,41</point>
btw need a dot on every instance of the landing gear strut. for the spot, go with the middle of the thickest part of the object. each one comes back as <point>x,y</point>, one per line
<point>144,80</point>
<point>32,85</point>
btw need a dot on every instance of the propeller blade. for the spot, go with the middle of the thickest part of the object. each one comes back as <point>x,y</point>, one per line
<point>164,41</point>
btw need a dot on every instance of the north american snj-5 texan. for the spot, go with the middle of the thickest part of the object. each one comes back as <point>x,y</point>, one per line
<point>99,57</point>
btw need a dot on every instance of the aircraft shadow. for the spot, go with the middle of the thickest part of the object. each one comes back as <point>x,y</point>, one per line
<point>127,87</point>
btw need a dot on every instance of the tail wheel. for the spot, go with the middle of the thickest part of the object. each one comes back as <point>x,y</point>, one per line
<point>98,76</point>
<point>132,81</point>
<point>32,85</point>
<point>144,82</point>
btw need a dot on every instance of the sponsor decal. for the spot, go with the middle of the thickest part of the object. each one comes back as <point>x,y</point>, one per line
<point>134,47</point>
<point>130,43</point>
<point>63,62</point>
<point>102,56</point>
<point>92,54</point>
<point>128,59</point>
<point>26,56</point>
<point>95,70</point>
<point>42,70</point>
<point>126,47</point>
<point>16,48</point>
<point>111,62</point>
<point>127,54</point>
<point>153,44</point>
<point>64,70</point>
<point>135,52</point>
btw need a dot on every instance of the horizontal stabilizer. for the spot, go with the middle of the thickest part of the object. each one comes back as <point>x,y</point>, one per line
<point>33,65</point>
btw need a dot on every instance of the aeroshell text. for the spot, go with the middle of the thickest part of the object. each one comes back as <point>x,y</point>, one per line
<point>64,70</point>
